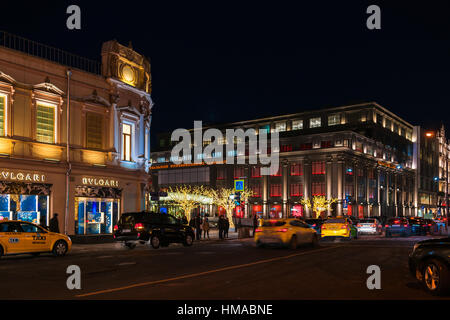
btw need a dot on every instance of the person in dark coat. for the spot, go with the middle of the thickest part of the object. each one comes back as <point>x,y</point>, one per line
<point>227,227</point>
<point>54,224</point>
<point>184,220</point>
<point>42,222</point>
<point>221,226</point>
<point>255,224</point>
<point>198,228</point>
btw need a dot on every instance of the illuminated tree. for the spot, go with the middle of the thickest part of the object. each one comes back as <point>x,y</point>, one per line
<point>223,197</point>
<point>188,197</point>
<point>319,204</point>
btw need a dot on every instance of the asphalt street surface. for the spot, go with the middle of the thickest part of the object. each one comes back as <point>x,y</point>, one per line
<point>230,269</point>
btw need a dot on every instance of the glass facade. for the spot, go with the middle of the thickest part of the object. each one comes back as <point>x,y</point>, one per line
<point>31,208</point>
<point>95,215</point>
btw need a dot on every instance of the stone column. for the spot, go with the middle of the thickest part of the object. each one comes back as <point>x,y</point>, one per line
<point>265,192</point>
<point>367,168</point>
<point>329,181</point>
<point>378,173</point>
<point>340,186</point>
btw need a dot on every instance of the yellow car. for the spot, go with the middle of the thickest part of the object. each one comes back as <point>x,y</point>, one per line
<point>17,237</point>
<point>339,227</point>
<point>285,232</point>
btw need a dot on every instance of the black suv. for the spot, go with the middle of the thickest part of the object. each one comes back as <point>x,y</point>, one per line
<point>430,263</point>
<point>157,229</point>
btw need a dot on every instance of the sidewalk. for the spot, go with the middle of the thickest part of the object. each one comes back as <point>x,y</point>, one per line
<point>101,246</point>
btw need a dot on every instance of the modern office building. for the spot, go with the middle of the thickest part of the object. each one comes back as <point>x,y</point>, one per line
<point>360,154</point>
<point>101,172</point>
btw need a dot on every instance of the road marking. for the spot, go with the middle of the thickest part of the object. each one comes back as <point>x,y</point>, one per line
<point>142,284</point>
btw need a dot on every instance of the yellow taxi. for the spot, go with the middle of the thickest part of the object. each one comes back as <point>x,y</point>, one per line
<point>18,237</point>
<point>339,227</point>
<point>285,232</point>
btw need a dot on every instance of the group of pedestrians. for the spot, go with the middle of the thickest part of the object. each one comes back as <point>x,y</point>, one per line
<point>224,226</point>
<point>201,225</point>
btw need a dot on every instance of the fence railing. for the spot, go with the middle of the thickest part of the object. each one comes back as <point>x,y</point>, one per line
<point>40,50</point>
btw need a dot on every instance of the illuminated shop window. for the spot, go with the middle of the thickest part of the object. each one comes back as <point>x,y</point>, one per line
<point>280,126</point>
<point>30,208</point>
<point>45,123</point>
<point>94,122</point>
<point>2,115</point>
<point>315,122</point>
<point>95,215</point>
<point>126,142</point>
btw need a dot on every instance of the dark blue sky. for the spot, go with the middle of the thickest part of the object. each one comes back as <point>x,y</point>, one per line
<point>222,61</point>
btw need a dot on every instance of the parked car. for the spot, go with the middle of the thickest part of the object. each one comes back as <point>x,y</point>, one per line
<point>316,224</point>
<point>418,226</point>
<point>157,229</point>
<point>341,227</point>
<point>429,262</point>
<point>397,226</point>
<point>369,226</point>
<point>285,232</point>
<point>431,226</point>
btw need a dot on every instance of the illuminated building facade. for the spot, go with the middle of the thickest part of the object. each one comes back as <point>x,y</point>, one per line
<point>109,123</point>
<point>362,155</point>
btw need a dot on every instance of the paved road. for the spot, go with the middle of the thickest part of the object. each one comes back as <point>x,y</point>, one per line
<point>232,269</point>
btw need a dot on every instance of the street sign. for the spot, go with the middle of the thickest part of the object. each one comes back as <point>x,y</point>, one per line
<point>239,185</point>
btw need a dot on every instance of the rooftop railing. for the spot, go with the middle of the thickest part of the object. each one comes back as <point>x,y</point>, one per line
<point>43,51</point>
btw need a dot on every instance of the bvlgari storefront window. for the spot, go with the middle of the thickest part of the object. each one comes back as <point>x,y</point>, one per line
<point>97,207</point>
<point>24,196</point>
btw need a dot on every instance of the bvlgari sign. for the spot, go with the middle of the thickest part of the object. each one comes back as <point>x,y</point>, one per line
<point>13,175</point>
<point>102,182</point>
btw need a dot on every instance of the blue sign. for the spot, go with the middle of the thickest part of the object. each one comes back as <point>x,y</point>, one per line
<point>239,185</point>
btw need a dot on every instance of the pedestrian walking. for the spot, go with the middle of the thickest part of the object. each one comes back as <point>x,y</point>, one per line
<point>255,224</point>
<point>227,227</point>
<point>221,225</point>
<point>54,224</point>
<point>205,227</point>
<point>198,229</point>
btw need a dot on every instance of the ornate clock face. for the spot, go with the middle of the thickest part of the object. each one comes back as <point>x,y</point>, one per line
<point>128,74</point>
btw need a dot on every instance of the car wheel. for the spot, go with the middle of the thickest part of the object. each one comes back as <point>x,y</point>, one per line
<point>129,245</point>
<point>155,242</point>
<point>435,277</point>
<point>60,248</point>
<point>188,240</point>
<point>293,243</point>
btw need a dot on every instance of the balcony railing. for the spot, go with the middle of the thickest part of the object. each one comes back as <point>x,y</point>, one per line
<point>43,51</point>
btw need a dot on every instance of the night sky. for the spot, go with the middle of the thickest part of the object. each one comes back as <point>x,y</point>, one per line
<point>221,61</point>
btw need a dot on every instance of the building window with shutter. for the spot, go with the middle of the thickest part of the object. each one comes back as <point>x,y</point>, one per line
<point>45,123</point>
<point>275,190</point>
<point>94,125</point>
<point>2,115</point>
<point>296,190</point>
<point>296,169</point>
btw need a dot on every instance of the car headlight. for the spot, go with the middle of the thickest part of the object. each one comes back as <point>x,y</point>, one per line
<point>416,246</point>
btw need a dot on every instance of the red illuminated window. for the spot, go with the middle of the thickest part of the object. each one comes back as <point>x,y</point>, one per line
<point>306,146</point>
<point>318,188</point>
<point>318,167</point>
<point>275,190</point>
<point>221,173</point>
<point>296,190</point>
<point>326,144</point>
<point>256,189</point>
<point>256,172</point>
<point>278,173</point>
<point>238,172</point>
<point>286,148</point>
<point>296,169</point>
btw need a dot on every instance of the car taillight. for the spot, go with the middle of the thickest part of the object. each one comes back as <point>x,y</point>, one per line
<point>116,227</point>
<point>405,225</point>
<point>429,224</point>
<point>324,226</point>
<point>373,225</point>
<point>139,226</point>
<point>386,225</point>
<point>344,227</point>
<point>282,230</point>
<point>358,225</point>
<point>314,225</point>
<point>258,230</point>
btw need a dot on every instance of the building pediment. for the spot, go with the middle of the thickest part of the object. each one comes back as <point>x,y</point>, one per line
<point>7,78</point>
<point>94,98</point>
<point>48,87</point>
